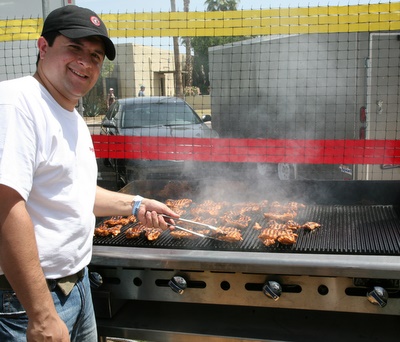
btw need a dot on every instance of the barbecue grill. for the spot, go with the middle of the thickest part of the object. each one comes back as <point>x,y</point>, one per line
<point>340,282</point>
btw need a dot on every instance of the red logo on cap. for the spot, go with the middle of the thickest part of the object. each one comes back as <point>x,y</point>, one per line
<point>95,20</point>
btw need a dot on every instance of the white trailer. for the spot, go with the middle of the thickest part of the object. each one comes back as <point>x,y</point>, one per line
<point>314,86</point>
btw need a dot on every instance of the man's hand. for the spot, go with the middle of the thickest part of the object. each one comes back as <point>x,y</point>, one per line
<point>150,214</point>
<point>52,328</point>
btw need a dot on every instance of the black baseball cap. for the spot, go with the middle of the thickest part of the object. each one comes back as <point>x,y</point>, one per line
<point>77,22</point>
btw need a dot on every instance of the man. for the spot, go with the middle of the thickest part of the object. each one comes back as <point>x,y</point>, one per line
<point>49,197</point>
<point>141,91</point>
<point>111,98</point>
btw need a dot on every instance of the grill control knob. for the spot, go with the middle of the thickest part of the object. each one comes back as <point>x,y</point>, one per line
<point>178,284</point>
<point>272,289</point>
<point>378,296</point>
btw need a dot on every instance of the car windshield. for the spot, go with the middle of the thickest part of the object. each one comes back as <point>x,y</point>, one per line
<point>157,114</point>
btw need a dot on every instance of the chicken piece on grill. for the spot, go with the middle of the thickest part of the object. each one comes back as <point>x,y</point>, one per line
<point>132,219</point>
<point>280,216</point>
<point>311,225</point>
<point>230,234</point>
<point>233,219</point>
<point>134,232</point>
<point>269,242</point>
<point>207,208</point>
<point>257,226</point>
<point>288,238</point>
<point>282,235</point>
<point>181,234</point>
<point>292,225</point>
<point>247,207</point>
<point>152,233</point>
<point>117,220</point>
<point>179,203</point>
<point>289,225</point>
<point>282,212</point>
<point>104,230</point>
<point>270,233</point>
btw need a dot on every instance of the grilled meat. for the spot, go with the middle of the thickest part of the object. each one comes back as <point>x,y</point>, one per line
<point>257,226</point>
<point>269,242</point>
<point>117,220</point>
<point>287,238</point>
<point>233,219</point>
<point>207,208</point>
<point>280,216</point>
<point>134,232</point>
<point>152,233</point>
<point>104,230</point>
<point>278,232</point>
<point>231,234</point>
<point>247,207</point>
<point>292,225</point>
<point>181,234</point>
<point>270,233</point>
<point>282,212</point>
<point>311,225</point>
<point>179,203</point>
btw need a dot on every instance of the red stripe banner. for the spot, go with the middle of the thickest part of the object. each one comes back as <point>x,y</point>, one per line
<point>249,150</point>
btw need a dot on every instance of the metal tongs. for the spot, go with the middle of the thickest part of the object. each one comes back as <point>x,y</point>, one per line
<point>196,223</point>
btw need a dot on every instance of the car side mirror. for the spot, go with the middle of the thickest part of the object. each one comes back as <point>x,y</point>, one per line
<point>109,123</point>
<point>206,118</point>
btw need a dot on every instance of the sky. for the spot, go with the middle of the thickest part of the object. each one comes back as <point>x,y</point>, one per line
<point>131,6</point>
<point>122,6</point>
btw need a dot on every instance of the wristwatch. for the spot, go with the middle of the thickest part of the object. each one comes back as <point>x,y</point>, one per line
<point>137,201</point>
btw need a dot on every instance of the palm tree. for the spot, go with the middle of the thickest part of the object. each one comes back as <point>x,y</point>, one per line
<point>188,45</point>
<point>178,70</point>
<point>221,5</point>
<point>200,45</point>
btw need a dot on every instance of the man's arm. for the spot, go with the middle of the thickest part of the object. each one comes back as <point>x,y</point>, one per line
<point>111,203</point>
<point>20,263</point>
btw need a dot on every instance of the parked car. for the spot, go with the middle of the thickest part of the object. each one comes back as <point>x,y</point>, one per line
<point>153,116</point>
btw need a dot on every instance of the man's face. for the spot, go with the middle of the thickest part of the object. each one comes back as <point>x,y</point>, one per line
<point>71,67</point>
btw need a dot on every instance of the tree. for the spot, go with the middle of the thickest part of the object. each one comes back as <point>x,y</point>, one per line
<point>178,70</point>
<point>200,45</point>
<point>221,5</point>
<point>94,102</point>
<point>188,45</point>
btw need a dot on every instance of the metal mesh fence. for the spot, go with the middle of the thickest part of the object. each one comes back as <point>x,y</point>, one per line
<point>305,93</point>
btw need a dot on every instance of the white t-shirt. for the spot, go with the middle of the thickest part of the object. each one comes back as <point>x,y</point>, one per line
<point>47,156</point>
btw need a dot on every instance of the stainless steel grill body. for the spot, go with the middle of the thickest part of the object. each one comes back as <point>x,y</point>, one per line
<point>331,284</point>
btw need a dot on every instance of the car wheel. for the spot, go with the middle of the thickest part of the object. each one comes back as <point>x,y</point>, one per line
<point>287,171</point>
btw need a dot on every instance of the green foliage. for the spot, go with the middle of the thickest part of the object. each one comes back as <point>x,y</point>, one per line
<point>95,102</point>
<point>221,5</point>
<point>108,68</point>
<point>200,45</point>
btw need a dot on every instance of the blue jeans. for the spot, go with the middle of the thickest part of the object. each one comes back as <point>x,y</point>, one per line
<point>76,310</point>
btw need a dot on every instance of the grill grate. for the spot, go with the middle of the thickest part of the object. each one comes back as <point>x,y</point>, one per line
<point>346,229</point>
